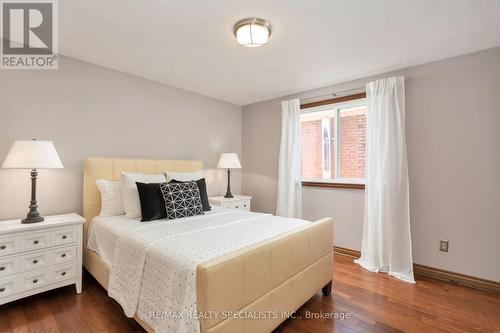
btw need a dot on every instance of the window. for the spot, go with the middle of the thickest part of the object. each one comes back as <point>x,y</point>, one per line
<point>334,143</point>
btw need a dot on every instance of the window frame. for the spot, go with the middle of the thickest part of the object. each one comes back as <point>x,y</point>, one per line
<point>335,104</point>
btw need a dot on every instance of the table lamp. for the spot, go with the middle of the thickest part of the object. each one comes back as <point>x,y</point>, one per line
<point>229,161</point>
<point>32,155</point>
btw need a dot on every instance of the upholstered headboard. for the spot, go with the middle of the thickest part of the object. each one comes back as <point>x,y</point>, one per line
<point>111,168</point>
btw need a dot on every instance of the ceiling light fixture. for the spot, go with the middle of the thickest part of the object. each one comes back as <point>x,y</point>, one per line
<point>252,32</point>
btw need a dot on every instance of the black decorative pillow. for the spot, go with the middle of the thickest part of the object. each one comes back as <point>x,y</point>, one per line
<point>202,186</point>
<point>181,199</point>
<point>152,203</point>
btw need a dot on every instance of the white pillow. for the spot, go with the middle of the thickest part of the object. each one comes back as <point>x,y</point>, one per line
<point>111,197</point>
<point>184,176</point>
<point>131,200</point>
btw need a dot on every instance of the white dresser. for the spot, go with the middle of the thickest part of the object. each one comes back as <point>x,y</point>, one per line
<point>40,256</point>
<point>237,202</point>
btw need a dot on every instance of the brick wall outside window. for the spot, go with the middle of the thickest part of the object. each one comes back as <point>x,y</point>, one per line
<point>352,147</point>
<point>353,143</point>
<point>311,149</point>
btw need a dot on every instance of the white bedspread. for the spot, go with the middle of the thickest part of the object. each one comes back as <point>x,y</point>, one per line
<point>104,233</point>
<point>154,265</point>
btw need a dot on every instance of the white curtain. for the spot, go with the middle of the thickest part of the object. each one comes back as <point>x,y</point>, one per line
<point>289,180</point>
<point>386,233</point>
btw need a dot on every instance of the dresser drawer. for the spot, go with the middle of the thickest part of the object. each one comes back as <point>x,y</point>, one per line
<point>7,286</point>
<point>40,256</point>
<point>65,254</point>
<point>35,260</point>
<point>64,272</point>
<point>35,241</point>
<point>229,205</point>
<point>8,245</point>
<point>8,266</point>
<point>244,205</point>
<point>34,279</point>
<point>64,236</point>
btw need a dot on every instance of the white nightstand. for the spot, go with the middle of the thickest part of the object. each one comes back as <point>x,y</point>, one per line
<point>237,202</point>
<point>40,256</point>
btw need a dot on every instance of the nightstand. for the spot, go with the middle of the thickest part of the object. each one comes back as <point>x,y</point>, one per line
<point>237,202</point>
<point>41,256</point>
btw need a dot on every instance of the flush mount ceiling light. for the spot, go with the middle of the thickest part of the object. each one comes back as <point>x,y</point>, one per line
<point>252,32</point>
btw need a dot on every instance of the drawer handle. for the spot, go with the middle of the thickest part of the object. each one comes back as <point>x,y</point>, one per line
<point>63,273</point>
<point>2,290</point>
<point>63,255</point>
<point>35,241</point>
<point>2,247</point>
<point>35,280</point>
<point>244,205</point>
<point>236,207</point>
<point>35,261</point>
<point>64,237</point>
<point>2,268</point>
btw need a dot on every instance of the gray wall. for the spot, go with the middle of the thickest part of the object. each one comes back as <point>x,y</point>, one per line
<point>92,111</point>
<point>453,138</point>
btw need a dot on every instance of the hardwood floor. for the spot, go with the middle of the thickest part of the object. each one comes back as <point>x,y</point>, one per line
<point>380,303</point>
<point>360,301</point>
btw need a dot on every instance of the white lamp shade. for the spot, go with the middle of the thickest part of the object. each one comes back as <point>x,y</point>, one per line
<point>229,161</point>
<point>32,154</point>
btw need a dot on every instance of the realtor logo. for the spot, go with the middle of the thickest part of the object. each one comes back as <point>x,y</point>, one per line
<point>29,34</point>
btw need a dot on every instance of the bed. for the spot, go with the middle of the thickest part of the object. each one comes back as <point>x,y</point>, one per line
<point>277,274</point>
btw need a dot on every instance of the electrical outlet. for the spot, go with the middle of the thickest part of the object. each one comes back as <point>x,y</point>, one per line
<point>443,245</point>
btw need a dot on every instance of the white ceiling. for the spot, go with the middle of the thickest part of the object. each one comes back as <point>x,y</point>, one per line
<point>189,44</point>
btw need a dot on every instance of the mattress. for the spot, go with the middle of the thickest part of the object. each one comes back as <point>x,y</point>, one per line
<point>105,231</point>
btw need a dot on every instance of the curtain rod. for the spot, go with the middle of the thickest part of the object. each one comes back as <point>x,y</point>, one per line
<point>334,94</point>
<point>339,93</point>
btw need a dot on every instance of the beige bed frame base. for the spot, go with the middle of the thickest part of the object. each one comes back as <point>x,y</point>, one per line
<point>279,274</point>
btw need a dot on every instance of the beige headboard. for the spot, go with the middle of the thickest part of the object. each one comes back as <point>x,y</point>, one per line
<point>111,168</point>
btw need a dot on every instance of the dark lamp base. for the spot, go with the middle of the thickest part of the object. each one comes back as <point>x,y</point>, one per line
<point>228,192</point>
<point>28,220</point>
<point>33,216</point>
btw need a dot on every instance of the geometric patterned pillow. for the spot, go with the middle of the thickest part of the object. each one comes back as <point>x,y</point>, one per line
<point>202,186</point>
<point>181,199</point>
